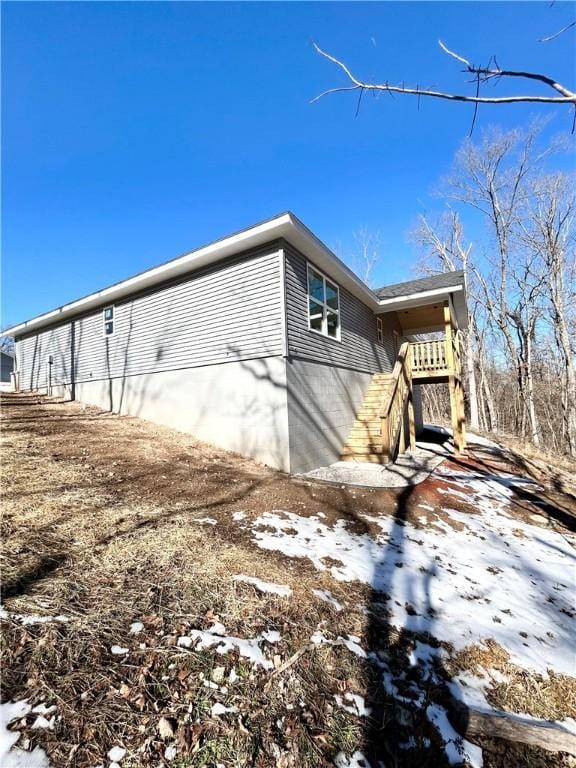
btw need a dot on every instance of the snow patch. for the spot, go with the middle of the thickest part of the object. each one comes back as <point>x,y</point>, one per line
<point>10,755</point>
<point>327,597</point>
<point>44,723</point>
<point>489,576</point>
<point>116,754</point>
<point>265,586</point>
<point>220,709</point>
<point>357,705</point>
<point>170,752</point>
<point>28,619</point>
<point>136,627</point>
<point>473,439</point>
<point>216,637</point>
<point>456,748</point>
<point>471,690</point>
<point>352,643</point>
<point>357,760</point>
<point>118,650</point>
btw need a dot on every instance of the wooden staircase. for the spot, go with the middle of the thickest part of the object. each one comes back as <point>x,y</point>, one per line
<point>379,427</point>
<point>364,443</point>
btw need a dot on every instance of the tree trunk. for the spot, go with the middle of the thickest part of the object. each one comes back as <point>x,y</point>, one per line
<point>531,410</point>
<point>563,343</point>
<point>471,378</point>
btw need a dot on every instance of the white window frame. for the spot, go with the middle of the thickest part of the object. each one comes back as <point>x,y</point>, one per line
<point>113,320</point>
<point>323,304</point>
<point>379,329</point>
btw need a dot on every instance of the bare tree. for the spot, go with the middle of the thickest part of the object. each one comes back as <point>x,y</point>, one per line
<point>445,252</point>
<point>493,177</point>
<point>548,233</point>
<point>368,256</point>
<point>521,284</point>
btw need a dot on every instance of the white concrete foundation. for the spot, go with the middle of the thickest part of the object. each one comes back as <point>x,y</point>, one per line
<point>239,406</point>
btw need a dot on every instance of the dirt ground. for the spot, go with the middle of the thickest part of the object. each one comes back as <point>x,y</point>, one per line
<point>111,520</point>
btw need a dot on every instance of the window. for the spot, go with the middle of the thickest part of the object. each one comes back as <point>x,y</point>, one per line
<point>379,329</point>
<point>323,305</point>
<point>108,321</point>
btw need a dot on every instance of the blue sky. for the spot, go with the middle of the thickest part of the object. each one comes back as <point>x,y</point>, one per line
<point>134,132</point>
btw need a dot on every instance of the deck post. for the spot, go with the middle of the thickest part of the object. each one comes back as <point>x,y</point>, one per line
<point>454,384</point>
<point>402,438</point>
<point>411,420</point>
<point>461,414</point>
<point>454,414</point>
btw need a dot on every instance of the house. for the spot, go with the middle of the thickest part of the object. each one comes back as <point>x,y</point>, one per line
<point>264,343</point>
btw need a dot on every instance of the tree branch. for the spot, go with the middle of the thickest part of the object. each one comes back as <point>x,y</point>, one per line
<point>481,74</point>
<point>557,34</point>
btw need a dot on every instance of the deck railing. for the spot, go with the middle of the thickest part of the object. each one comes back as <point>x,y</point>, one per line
<point>429,356</point>
<point>393,415</point>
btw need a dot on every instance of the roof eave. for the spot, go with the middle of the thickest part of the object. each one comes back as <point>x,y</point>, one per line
<point>286,226</point>
<point>457,292</point>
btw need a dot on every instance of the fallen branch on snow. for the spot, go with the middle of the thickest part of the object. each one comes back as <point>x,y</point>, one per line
<point>472,723</point>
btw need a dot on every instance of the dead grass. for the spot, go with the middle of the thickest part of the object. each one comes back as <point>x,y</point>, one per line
<point>549,698</point>
<point>104,521</point>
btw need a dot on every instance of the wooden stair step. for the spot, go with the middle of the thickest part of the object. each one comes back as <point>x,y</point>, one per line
<point>368,433</point>
<point>379,401</point>
<point>372,458</point>
<point>364,442</point>
<point>365,446</point>
<point>366,428</point>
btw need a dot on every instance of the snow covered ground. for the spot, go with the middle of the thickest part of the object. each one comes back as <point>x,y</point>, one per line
<point>489,575</point>
<point>464,578</point>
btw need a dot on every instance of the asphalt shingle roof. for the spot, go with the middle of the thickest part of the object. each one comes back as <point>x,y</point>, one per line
<point>443,280</point>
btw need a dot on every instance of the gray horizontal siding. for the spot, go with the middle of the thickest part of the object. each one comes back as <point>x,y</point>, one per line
<point>229,312</point>
<point>33,352</point>
<point>358,349</point>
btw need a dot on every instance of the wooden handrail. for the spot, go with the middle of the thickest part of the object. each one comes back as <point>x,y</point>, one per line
<point>393,411</point>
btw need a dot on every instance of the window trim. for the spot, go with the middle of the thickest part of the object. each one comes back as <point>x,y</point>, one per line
<point>379,329</point>
<point>104,321</point>
<point>325,308</point>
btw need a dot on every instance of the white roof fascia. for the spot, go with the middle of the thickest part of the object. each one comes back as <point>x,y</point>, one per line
<point>284,226</point>
<point>315,250</point>
<point>401,302</point>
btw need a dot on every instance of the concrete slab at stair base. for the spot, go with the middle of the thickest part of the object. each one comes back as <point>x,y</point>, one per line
<point>408,469</point>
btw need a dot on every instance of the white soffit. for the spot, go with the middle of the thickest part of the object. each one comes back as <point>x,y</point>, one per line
<point>433,296</point>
